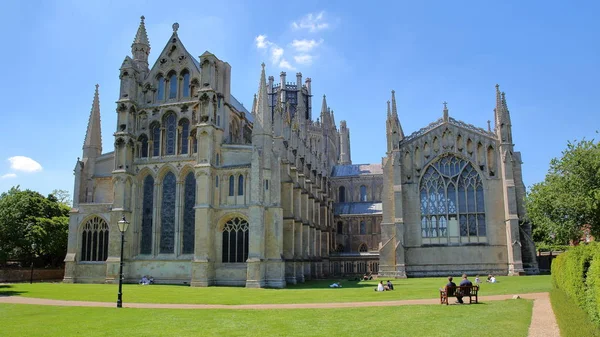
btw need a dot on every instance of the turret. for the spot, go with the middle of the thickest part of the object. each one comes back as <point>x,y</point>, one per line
<point>324,114</point>
<point>262,133</point>
<point>394,129</point>
<point>502,117</point>
<point>140,49</point>
<point>345,158</point>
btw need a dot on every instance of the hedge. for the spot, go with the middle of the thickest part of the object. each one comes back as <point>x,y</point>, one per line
<point>577,273</point>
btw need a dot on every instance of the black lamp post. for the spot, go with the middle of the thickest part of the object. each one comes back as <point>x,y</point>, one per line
<point>123,224</point>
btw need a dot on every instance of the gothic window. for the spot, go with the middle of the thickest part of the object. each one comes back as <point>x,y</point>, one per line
<point>147,209</point>
<point>171,131</point>
<point>217,181</point>
<point>363,193</point>
<point>235,241</point>
<point>340,228</point>
<point>241,185</point>
<point>94,240</point>
<point>173,86</point>
<point>363,248</point>
<point>184,136</point>
<point>363,228</point>
<point>342,193</point>
<point>167,216</point>
<point>185,86</point>
<point>218,160</point>
<point>189,214</point>
<point>160,92</point>
<point>451,191</point>
<point>231,185</point>
<point>143,146</point>
<point>156,140</point>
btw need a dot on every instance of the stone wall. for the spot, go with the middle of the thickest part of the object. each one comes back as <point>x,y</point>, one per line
<point>24,274</point>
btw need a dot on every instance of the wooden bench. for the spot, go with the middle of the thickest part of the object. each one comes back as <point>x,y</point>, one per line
<point>466,291</point>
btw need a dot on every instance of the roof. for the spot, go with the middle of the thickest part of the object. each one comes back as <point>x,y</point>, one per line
<point>239,107</point>
<point>356,170</point>
<point>358,208</point>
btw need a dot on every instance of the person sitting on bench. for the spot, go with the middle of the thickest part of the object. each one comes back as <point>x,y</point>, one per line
<point>464,283</point>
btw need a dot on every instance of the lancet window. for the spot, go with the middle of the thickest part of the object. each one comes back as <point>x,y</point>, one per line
<point>173,86</point>
<point>189,214</point>
<point>167,212</point>
<point>160,92</point>
<point>94,240</point>
<point>184,136</point>
<point>171,131</point>
<point>452,200</point>
<point>147,211</point>
<point>342,194</point>
<point>235,240</point>
<point>363,193</point>
<point>185,86</point>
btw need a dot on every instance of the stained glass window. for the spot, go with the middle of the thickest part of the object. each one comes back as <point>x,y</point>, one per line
<point>173,86</point>
<point>363,193</point>
<point>185,135</point>
<point>147,209</point>
<point>171,131</point>
<point>156,140</point>
<point>143,146</point>
<point>94,240</point>
<point>451,190</point>
<point>241,185</point>
<point>186,84</point>
<point>235,241</point>
<point>167,216</point>
<point>231,186</point>
<point>160,92</point>
<point>189,214</point>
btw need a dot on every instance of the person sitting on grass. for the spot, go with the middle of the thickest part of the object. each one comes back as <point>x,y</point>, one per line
<point>335,285</point>
<point>144,281</point>
<point>390,285</point>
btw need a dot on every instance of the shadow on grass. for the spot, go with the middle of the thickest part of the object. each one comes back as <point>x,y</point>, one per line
<point>5,291</point>
<point>322,284</point>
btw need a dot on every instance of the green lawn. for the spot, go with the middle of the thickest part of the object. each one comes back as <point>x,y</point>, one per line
<point>489,319</point>
<point>309,292</point>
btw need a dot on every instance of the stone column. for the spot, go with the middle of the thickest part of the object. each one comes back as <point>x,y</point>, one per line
<point>203,261</point>
<point>288,231</point>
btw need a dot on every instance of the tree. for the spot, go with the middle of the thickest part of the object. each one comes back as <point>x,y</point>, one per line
<point>63,196</point>
<point>32,227</point>
<point>569,198</point>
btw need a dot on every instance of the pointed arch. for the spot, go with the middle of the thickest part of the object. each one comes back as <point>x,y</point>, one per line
<point>235,239</point>
<point>241,184</point>
<point>170,123</point>
<point>184,136</point>
<point>172,84</point>
<point>363,248</point>
<point>155,132</point>
<point>452,199</point>
<point>143,141</point>
<point>185,83</point>
<point>94,231</point>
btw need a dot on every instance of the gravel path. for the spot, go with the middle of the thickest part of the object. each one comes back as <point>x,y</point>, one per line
<point>543,321</point>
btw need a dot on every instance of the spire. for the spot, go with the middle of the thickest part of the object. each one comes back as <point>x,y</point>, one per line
<point>394,110</point>
<point>389,112</point>
<point>140,48</point>
<point>502,116</point>
<point>263,114</point>
<point>395,119</point>
<point>92,145</point>
<point>498,109</point>
<point>445,111</point>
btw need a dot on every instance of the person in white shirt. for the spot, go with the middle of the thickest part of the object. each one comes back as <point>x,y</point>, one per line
<point>380,286</point>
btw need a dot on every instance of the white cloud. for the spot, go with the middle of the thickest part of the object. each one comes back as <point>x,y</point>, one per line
<point>305,45</point>
<point>24,164</point>
<point>8,176</point>
<point>262,42</point>
<point>286,65</point>
<point>311,22</point>
<point>303,59</point>
<point>276,54</point>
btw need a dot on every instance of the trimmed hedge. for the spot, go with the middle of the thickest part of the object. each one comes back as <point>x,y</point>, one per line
<point>577,273</point>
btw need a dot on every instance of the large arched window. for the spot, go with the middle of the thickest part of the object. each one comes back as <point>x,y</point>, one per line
<point>184,136</point>
<point>452,203</point>
<point>173,86</point>
<point>185,86</point>
<point>231,185</point>
<point>156,140</point>
<point>235,241</point>
<point>363,193</point>
<point>167,214</point>
<point>94,240</point>
<point>171,131</point>
<point>342,193</point>
<point>143,146</point>
<point>160,92</point>
<point>189,214</point>
<point>241,185</point>
<point>147,210</point>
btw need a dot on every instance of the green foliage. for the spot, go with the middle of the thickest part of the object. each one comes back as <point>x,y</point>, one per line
<point>32,227</point>
<point>572,320</point>
<point>592,291</point>
<point>569,197</point>
<point>63,196</point>
<point>569,271</point>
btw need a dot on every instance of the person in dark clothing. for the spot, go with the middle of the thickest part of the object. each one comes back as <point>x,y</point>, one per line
<point>465,282</point>
<point>390,285</point>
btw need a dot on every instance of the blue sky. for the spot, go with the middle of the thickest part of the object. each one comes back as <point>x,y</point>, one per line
<point>544,55</point>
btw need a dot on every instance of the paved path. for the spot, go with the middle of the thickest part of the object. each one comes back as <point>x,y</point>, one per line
<point>543,321</point>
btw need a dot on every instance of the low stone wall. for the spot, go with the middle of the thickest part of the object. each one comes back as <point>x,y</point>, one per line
<point>24,274</point>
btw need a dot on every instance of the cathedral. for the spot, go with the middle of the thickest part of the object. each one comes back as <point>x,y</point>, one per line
<point>219,195</point>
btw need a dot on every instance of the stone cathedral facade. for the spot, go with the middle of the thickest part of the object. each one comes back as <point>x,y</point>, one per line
<point>219,195</point>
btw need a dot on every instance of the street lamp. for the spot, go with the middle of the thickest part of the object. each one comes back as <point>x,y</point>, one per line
<point>123,224</point>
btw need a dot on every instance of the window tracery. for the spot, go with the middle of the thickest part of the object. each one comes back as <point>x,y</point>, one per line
<point>171,131</point>
<point>184,137</point>
<point>452,200</point>
<point>94,240</point>
<point>189,214</point>
<point>235,240</point>
<point>167,219</point>
<point>147,209</point>
<point>363,248</point>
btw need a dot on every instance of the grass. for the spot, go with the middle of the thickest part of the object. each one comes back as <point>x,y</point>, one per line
<point>489,319</point>
<point>309,292</point>
<point>572,320</point>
